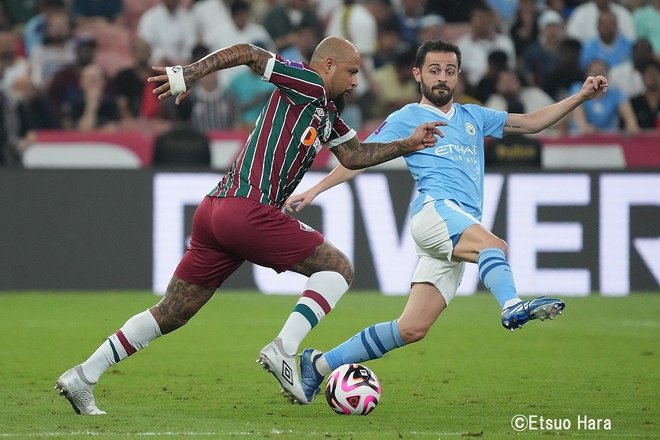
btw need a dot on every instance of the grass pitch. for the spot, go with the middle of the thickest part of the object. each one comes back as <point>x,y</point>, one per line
<point>468,378</point>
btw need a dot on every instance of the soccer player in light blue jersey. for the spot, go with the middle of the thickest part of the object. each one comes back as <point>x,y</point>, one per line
<point>446,215</point>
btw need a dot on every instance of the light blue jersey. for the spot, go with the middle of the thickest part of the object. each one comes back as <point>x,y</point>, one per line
<point>454,168</point>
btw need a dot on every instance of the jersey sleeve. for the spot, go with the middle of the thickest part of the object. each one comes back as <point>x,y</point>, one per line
<point>493,122</point>
<point>390,130</point>
<point>340,133</point>
<point>296,80</point>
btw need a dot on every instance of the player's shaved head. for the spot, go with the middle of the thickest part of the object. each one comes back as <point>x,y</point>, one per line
<point>334,47</point>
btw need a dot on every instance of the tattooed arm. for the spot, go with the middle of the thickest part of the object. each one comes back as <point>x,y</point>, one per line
<point>239,54</point>
<point>544,117</point>
<point>355,155</point>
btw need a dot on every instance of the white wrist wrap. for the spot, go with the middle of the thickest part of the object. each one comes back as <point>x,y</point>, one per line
<point>175,77</point>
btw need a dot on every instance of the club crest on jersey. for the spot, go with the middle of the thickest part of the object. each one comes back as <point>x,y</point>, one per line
<point>308,137</point>
<point>305,227</point>
<point>327,130</point>
<point>470,129</point>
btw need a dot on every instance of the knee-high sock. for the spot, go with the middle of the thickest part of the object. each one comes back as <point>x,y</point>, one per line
<point>495,273</point>
<point>322,292</point>
<point>371,343</point>
<point>134,335</point>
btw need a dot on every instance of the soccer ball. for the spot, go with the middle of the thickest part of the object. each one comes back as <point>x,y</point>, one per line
<point>352,389</point>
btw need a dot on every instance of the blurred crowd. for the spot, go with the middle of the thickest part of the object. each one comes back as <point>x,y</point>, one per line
<point>82,64</point>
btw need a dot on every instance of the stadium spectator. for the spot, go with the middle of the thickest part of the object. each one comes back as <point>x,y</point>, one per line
<point>445,216</point>
<point>212,108</point>
<point>354,22</point>
<point>627,76</point>
<point>480,41</point>
<point>241,219</point>
<point>525,29</point>
<point>646,20</point>
<point>454,11</point>
<point>609,46</point>
<point>282,20</point>
<point>383,12</point>
<point>646,106</point>
<point>505,12</point>
<point>12,65</point>
<point>241,28</point>
<point>20,11</point>
<point>208,16</point>
<point>92,10</point>
<point>249,91</point>
<point>512,96</point>
<point>390,43</point>
<point>34,110</point>
<point>95,109</point>
<point>565,71</point>
<point>134,95</point>
<point>65,88</point>
<point>306,40</point>
<point>397,86</point>
<point>182,145</point>
<point>540,58</point>
<point>10,152</point>
<point>497,61</point>
<point>169,29</point>
<point>57,50</point>
<point>35,28</point>
<point>583,21</point>
<point>410,15</point>
<point>431,27</point>
<point>604,113</point>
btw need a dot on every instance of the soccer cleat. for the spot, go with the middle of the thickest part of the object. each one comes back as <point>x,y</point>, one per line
<point>78,391</point>
<point>274,359</point>
<point>310,378</point>
<point>539,308</point>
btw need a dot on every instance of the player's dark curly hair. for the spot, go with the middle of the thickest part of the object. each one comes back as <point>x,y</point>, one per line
<point>436,46</point>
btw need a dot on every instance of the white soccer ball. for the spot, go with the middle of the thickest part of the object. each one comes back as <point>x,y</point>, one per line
<point>352,389</point>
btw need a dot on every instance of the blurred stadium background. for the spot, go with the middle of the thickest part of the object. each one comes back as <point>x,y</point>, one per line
<point>98,201</point>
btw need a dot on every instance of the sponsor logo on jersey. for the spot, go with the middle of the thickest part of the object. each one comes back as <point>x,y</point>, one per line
<point>305,227</point>
<point>453,149</point>
<point>308,137</point>
<point>295,64</point>
<point>470,129</point>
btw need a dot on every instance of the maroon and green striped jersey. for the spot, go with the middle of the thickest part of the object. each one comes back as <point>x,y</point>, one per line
<point>297,120</point>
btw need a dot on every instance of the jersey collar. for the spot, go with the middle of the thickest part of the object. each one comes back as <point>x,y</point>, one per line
<point>447,115</point>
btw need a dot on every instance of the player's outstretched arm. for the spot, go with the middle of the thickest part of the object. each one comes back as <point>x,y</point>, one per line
<point>355,155</point>
<point>340,174</point>
<point>546,116</point>
<point>239,54</point>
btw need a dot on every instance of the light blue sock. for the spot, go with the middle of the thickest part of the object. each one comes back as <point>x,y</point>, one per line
<point>371,343</point>
<point>495,273</point>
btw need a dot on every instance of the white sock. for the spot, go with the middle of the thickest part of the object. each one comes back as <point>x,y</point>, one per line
<point>322,292</point>
<point>134,335</point>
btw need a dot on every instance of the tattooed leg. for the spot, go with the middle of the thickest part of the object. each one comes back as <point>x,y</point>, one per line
<point>330,273</point>
<point>180,303</point>
<point>326,257</point>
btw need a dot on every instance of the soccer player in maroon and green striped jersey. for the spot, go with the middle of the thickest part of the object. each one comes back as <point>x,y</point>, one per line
<point>241,218</point>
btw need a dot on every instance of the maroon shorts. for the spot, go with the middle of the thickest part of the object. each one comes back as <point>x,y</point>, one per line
<point>227,231</point>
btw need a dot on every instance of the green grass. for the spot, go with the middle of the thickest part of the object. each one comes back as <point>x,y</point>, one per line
<point>468,378</point>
